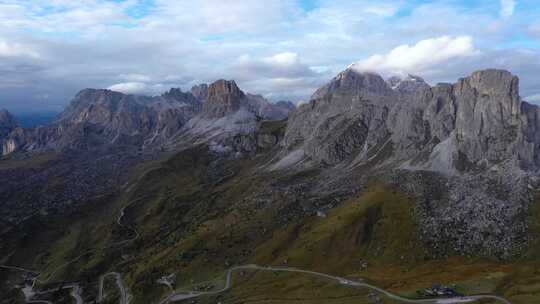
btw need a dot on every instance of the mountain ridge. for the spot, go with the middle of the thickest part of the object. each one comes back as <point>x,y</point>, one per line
<point>148,122</point>
<point>367,179</point>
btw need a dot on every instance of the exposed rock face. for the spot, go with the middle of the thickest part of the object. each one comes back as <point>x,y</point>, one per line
<point>97,118</point>
<point>469,149</point>
<point>200,92</point>
<point>478,121</point>
<point>8,123</point>
<point>267,110</point>
<point>344,119</point>
<point>101,117</point>
<point>488,117</point>
<point>224,97</point>
<point>231,120</point>
<point>409,84</point>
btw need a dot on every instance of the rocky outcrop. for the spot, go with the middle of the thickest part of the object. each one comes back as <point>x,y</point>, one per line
<point>224,97</point>
<point>97,118</point>
<point>469,151</point>
<point>8,123</point>
<point>200,92</point>
<point>477,122</point>
<point>102,117</point>
<point>231,120</point>
<point>344,119</point>
<point>409,84</point>
<point>268,110</point>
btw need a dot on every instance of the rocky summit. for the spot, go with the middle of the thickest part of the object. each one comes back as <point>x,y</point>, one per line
<point>394,180</point>
<point>98,118</point>
<point>449,128</point>
<point>223,97</point>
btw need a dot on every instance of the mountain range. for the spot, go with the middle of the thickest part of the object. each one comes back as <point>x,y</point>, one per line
<point>392,173</point>
<point>97,118</point>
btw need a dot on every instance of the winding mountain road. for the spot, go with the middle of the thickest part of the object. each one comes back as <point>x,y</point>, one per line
<point>76,289</point>
<point>184,295</point>
<point>125,297</point>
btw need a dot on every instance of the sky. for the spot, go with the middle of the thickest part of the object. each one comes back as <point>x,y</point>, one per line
<point>282,49</point>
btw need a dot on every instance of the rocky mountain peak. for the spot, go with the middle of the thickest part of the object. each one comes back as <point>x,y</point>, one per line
<point>224,97</point>
<point>7,123</point>
<point>353,82</point>
<point>494,82</point>
<point>176,94</point>
<point>474,123</point>
<point>407,84</point>
<point>93,95</point>
<point>224,87</point>
<point>200,92</point>
<point>6,119</point>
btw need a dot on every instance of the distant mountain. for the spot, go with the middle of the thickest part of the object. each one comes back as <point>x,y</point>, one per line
<point>409,84</point>
<point>477,122</point>
<point>8,123</point>
<point>231,118</point>
<point>470,151</point>
<point>98,118</point>
<point>102,117</point>
<point>200,92</point>
<point>372,176</point>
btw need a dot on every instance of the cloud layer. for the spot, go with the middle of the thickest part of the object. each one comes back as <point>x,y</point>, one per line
<point>419,58</point>
<point>283,49</point>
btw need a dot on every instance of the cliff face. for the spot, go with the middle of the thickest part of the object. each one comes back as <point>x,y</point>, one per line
<point>97,118</point>
<point>224,97</point>
<point>231,120</point>
<point>469,151</point>
<point>8,123</point>
<point>478,121</point>
<point>102,117</point>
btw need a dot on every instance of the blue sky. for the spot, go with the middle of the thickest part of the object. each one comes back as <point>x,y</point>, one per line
<point>283,49</point>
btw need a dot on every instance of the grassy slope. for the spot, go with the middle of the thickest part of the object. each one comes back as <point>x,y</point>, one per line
<point>197,230</point>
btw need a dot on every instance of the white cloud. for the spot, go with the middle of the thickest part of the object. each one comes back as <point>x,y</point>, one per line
<point>58,47</point>
<point>10,49</point>
<point>129,87</point>
<point>280,65</point>
<point>284,59</point>
<point>507,8</point>
<point>419,57</point>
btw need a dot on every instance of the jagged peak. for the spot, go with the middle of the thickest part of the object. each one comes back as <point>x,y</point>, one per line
<point>89,94</point>
<point>353,80</point>
<point>200,91</point>
<point>224,87</point>
<point>6,117</point>
<point>178,95</point>
<point>396,79</point>
<point>407,84</point>
<point>352,69</point>
<point>494,81</point>
<point>224,97</point>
